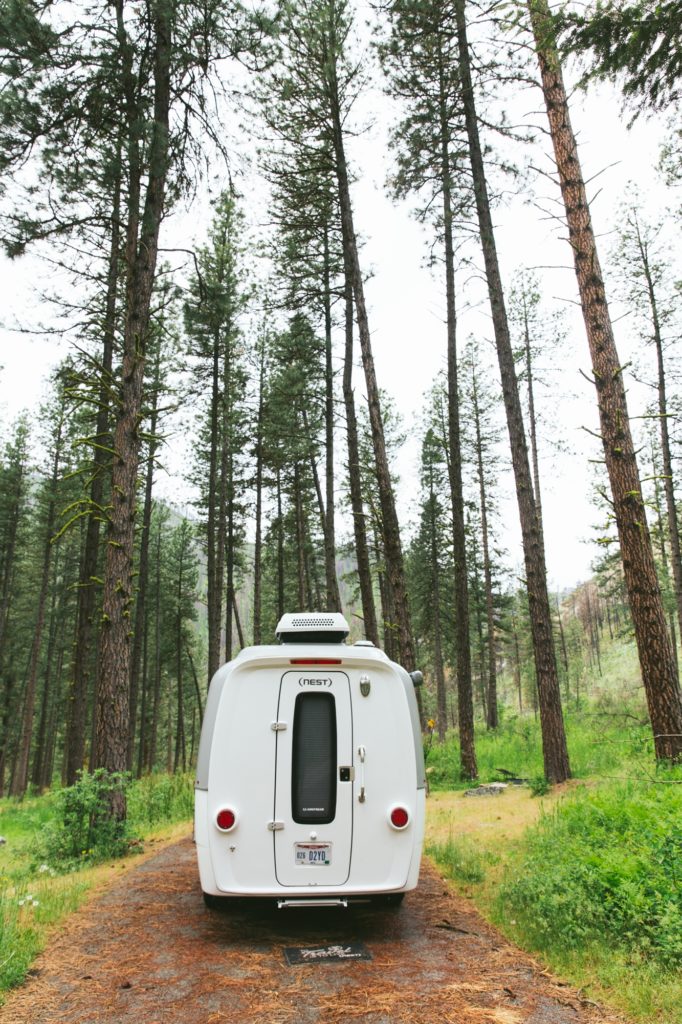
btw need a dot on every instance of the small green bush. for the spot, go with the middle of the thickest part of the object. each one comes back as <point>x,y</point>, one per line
<point>539,785</point>
<point>82,831</point>
<point>604,866</point>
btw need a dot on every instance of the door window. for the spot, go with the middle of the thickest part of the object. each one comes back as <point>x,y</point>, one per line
<point>313,776</point>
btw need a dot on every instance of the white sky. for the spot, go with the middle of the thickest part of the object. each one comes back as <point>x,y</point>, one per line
<point>406,311</point>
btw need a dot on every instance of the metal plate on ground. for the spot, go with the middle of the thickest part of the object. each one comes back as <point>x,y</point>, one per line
<point>325,954</point>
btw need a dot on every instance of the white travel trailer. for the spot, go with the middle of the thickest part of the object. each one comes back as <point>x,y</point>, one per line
<point>310,778</point>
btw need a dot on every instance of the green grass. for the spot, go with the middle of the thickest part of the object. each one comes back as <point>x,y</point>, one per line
<point>461,859</point>
<point>36,892</point>
<point>594,887</point>
<point>607,738</point>
<point>605,866</point>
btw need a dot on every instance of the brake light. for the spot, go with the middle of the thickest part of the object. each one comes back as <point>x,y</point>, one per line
<point>315,661</point>
<point>399,818</point>
<point>226,819</point>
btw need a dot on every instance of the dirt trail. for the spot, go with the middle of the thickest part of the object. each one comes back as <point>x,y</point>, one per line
<point>148,951</point>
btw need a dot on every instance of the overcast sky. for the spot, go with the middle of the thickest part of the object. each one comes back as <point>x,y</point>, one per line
<point>406,309</point>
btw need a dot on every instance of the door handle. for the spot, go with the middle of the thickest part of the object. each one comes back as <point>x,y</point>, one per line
<point>362,753</point>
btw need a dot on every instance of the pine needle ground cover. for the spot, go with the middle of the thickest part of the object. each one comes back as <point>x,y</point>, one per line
<point>38,889</point>
<point>594,885</point>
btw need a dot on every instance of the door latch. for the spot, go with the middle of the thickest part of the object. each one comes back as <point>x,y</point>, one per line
<point>275,826</point>
<point>278,726</point>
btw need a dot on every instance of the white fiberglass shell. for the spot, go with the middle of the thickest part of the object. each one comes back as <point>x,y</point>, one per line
<point>246,760</point>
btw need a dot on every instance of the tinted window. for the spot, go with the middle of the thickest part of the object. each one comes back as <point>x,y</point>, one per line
<point>313,776</point>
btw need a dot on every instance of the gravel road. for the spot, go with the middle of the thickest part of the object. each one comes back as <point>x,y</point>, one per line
<point>146,950</point>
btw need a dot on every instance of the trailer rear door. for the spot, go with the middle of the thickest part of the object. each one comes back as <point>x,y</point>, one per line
<point>313,824</point>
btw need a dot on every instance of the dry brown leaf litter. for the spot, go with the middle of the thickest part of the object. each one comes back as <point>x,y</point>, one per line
<point>147,951</point>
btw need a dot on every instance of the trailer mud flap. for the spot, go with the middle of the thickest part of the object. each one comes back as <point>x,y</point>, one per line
<point>313,779</point>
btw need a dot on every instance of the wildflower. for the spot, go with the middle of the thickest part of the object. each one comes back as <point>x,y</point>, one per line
<point>43,868</point>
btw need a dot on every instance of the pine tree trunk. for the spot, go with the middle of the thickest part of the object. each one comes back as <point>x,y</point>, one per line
<point>222,541</point>
<point>663,555</point>
<point>492,720</point>
<point>562,638</point>
<point>473,562</point>
<point>300,540</point>
<point>332,583</point>
<point>653,642</point>
<point>156,701</point>
<point>40,755</point>
<point>143,561</point>
<point>143,744</point>
<point>389,520</point>
<point>112,713</point>
<point>555,751</point>
<point>465,700</point>
<point>20,775</point>
<point>180,757</point>
<point>87,592</point>
<point>213,593</point>
<point>668,478</point>
<point>355,484</point>
<point>258,547</point>
<point>324,518</point>
<point>237,621</point>
<point>532,424</point>
<point>280,548</point>
<point>231,554</point>
<point>441,705</point>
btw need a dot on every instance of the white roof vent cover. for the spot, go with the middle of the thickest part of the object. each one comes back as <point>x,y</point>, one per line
<point>312,627</point>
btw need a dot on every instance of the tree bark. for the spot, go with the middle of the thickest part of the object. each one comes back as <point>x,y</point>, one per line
<point>492,720</point>
<point>87,591</point>
<point>280,548</point>
<point>143,558</point>
<point>112,712</point>
<point>653,642</point>
<point>369,614</point>
<point>332,583</point>
<point>258,547</point>
<point>300,540</point>
<point>389,520</point>
<point>156,701</point>
<point>465,700</point>
<point>668,478</point>
<point>20,775</point>
<point>441,705</point>
<point>555,751</point>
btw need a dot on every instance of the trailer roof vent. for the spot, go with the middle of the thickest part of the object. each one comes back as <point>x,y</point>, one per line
<point>312,628</point>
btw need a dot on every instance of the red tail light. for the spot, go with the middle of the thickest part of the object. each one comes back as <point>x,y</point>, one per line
<point>399,818</point>
<point>225,819</point>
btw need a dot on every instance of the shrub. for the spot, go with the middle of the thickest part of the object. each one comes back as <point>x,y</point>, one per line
<point>604,866</point>
<point>539,785</point>
<point>83,831</point>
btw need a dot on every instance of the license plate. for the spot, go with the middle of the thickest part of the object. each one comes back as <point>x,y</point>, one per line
<point>314,854</point>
